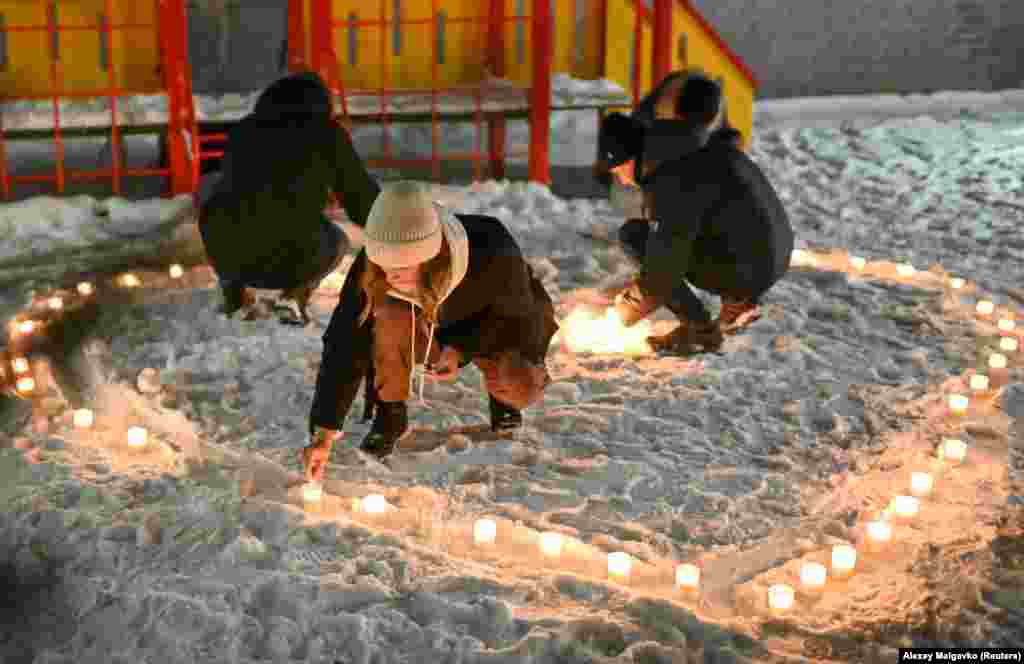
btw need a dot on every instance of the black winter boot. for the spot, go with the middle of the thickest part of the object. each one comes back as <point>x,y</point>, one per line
<point>503,416</point>
<point>390,425</point>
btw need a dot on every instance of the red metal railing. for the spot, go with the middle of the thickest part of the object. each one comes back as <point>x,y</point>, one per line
<point>169,30</point>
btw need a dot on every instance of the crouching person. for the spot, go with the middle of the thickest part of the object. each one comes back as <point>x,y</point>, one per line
<point>434,288</point>
<point>264,224</point>
<point>714,221</point>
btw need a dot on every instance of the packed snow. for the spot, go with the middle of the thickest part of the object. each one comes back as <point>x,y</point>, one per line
<point>745,463</point>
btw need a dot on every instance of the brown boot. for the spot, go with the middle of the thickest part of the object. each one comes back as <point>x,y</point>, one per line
<point>736,314</point>
<point>689,338</point>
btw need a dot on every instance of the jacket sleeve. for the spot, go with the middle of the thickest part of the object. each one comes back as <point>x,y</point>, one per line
<point>680,213</point>
<point>353,184</point>
<point>346,355</point>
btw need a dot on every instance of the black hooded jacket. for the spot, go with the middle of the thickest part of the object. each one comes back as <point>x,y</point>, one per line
<point>265,217</point>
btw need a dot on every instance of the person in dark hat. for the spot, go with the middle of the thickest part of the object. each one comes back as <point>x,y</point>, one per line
<point>714,221</point>
<point>264,224</point>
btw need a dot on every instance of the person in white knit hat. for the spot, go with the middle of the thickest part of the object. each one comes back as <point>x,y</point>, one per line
<point>436,288</point>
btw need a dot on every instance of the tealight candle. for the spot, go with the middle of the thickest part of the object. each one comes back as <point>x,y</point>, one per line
<point>176,271</point>
<point>374,504</point>
<point>1008,344</point>
<point>905,269</point>
<point>953,449</point>
<point>956,283</point>
<point>858,262</point>
<point>137,437</point>
<point>26,384</point>
<point>997,361</point>
<point>879,532</point>
<point>551,544</point>
<point>19,364</point>
<point>905,506</point>
<point>55,303</point>
<point>1006,325</point>
<point>958,404</point>
<point>84,288</point>
<point>812,575</point>
<point>780,597</point>
<point>979,382</point>
<point>312,492</point>
<point>83,418</point>
<point>485,532</point>
<point>129,280</point>
<point>985,308</point>
<point>619,564</point>
<point>844,557</point>
<point>920,484</point>
<point>26,326</point>
<point>687,576</point>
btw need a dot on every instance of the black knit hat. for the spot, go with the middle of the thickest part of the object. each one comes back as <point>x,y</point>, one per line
<point>699,99</point>
<point>620,139</point>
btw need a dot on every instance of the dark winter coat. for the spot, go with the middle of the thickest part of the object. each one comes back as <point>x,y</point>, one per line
<point>719,221</point>
<point>264,222</point>
<point>496,305</point>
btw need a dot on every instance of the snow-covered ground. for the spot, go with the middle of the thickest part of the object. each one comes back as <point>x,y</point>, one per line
<point>746,463</point>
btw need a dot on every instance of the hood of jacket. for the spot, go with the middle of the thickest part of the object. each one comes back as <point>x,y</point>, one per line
<point>669,140</point>
<point>302,96</point>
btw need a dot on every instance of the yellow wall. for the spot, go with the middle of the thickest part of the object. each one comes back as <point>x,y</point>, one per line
<point>133,54</point>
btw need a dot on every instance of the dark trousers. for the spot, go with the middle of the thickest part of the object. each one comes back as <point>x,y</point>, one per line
<point>728,281</point>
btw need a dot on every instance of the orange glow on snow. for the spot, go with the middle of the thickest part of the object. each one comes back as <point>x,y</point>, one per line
<point>584,331</point>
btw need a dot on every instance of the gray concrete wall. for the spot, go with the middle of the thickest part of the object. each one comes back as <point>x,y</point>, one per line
<point>826,47</point>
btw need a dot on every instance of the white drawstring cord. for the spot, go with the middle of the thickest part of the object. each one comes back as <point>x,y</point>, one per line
<point>426,359</point>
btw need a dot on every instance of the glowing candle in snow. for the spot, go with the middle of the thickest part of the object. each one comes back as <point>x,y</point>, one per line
<point>997,361</point>
<point>956,283</point>
<point>1008,344</point>
<point>1006,325</point>
<point>375,504</point>
<point>84,288</point>
<point>55,303</point>
<point>485,532</point>
<point>137,437</point>
<point>83,418</point>
<point>25,385</point>
<point>905,270</point>
<point>953,449</point>
<point>844,557</point>
<point>619,564</point>
<point>857,262</point>
<point>551,544</point>
<point>780,597</point>
<point>26,326</point>
<point>688,576</point>
<point>19,364</point>
<point>812,575</point>
<point>312,492</point>
<point>879,533</point>
<point>958,404</point>
<point>905,506</point>
<point>129,280</point>
<point>176,271</point>
<point>985,308</point>
<point>979,382</point>
<point>920,484</point>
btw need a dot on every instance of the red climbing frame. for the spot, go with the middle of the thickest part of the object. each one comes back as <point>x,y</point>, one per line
<point>170,29</point>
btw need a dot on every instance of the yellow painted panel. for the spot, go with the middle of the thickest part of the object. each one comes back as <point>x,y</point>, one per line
<point>588,65</point>
<point>28,65</point>
<point>618,36</point>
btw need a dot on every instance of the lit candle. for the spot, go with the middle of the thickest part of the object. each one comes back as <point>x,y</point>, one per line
<point>619,564</point>
<point>26,384</point>
<point>1006,325</point>
<point>920,484</point>
<point>176,271</point>
<point>84,288</point>
<point>905,269</point>
<point>997,361</point>
<point>985,308</point>
<point>1008,344</point>
<point>19,364</point>
<point>485,532</point>
<point>780,597</point>
<point>844,557</point>
<point>551,544</point>
<point>129,280</point>
<point>375,504</point>
<point>905,506</point>
<point>956,283</point>
<point>879,532</point>
<point>953,449</point>
<point>83,418</point>
<point>55,303</point>
<point>858,262</point>
<point>812,575</point>
<point>312,492</point>
<point>26,326</point>
<point>958,404</point>
<point>688,576</point>
<point>979,382</point>
<point>137,437</point>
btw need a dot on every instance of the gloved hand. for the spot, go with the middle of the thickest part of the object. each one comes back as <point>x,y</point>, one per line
<point>632,305</point>
<point>315,455</point>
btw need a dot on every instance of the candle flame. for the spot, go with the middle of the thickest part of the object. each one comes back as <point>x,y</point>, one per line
<point>176,271</point>
<point>56,303</point>
<point>956,283</point>
<point>780,596</point>
<point>584,331</point>
<point>26,384</point>
<point>997,361</point>
<point>19,364</point>
<point>85,288</point>
<point>844,557</point>
<point>687,575</point>
<point>619,564</point>
<point>485,531</point>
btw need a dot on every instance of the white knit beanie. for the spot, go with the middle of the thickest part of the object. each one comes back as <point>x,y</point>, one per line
<point>403,228</point>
